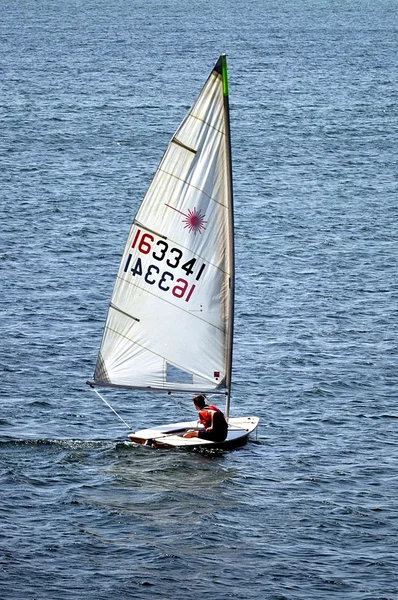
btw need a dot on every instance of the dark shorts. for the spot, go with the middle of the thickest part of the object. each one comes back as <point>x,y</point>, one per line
<point>218,434</point>
<point>213,436</point>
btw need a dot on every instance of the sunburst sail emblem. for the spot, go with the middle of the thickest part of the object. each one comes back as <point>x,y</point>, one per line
<point>194,220</point>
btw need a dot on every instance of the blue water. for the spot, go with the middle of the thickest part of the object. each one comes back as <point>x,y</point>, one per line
<point>90,94</point>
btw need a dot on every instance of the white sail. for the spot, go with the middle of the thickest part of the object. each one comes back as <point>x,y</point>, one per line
<point>169,321</point>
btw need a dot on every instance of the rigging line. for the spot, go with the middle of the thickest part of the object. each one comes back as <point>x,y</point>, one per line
<point>107,403</point>
<point>175,399</point>
<point>183,405</point>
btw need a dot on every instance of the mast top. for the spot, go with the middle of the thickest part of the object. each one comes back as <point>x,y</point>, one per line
<point>221,68</point>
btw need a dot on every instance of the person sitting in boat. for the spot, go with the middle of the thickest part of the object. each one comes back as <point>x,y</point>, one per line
<point>212,419</point>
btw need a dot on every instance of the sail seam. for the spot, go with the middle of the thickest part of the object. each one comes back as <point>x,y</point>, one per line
<point>193,186</point>
<point>171,304</point>
<point>156,353</point>
<point>206,123</point>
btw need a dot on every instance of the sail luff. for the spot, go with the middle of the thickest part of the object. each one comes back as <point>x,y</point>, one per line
<point>230,333</point>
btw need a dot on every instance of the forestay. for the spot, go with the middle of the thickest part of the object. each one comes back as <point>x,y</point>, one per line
<point>169,321</point>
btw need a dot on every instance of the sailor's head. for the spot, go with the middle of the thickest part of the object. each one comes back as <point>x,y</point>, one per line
<point>199,402</point>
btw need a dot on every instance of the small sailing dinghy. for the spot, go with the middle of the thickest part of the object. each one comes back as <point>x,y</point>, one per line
<point>169,326</point>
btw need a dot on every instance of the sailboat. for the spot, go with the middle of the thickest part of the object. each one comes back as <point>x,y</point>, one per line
<point>169,326</point>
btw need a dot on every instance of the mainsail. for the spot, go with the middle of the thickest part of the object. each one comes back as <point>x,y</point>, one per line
<point>169,323</point>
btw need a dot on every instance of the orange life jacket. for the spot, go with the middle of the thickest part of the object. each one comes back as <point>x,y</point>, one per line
<point>205,416</point>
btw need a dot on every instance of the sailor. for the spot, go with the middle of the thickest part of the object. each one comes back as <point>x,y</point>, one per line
<point>215,426</point>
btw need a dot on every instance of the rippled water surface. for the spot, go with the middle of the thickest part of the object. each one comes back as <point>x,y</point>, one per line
<point>90,94</point>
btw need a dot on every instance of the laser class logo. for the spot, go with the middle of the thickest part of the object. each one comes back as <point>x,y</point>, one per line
<point>194,220</point>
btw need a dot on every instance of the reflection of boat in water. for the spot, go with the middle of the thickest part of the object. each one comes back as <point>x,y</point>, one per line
<point>169,326</point>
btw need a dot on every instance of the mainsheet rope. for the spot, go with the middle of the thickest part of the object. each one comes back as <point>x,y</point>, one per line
<point>181,404</point>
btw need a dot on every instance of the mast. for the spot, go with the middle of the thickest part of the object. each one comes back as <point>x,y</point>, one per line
<point>224,76</point>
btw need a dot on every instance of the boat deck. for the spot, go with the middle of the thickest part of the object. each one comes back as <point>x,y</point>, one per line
<point>170,436</point>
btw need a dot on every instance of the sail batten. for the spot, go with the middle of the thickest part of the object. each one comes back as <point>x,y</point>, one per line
<point>176,141</point>
<point>123,312</point>
<point>177,267</point>
<point>149,230</point>
<point>192,312</point>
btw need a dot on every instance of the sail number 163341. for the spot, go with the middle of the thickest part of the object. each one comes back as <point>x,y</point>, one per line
<point>174,259</point>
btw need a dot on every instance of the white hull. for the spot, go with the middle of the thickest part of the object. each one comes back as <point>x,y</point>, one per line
<point>170,436</point>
